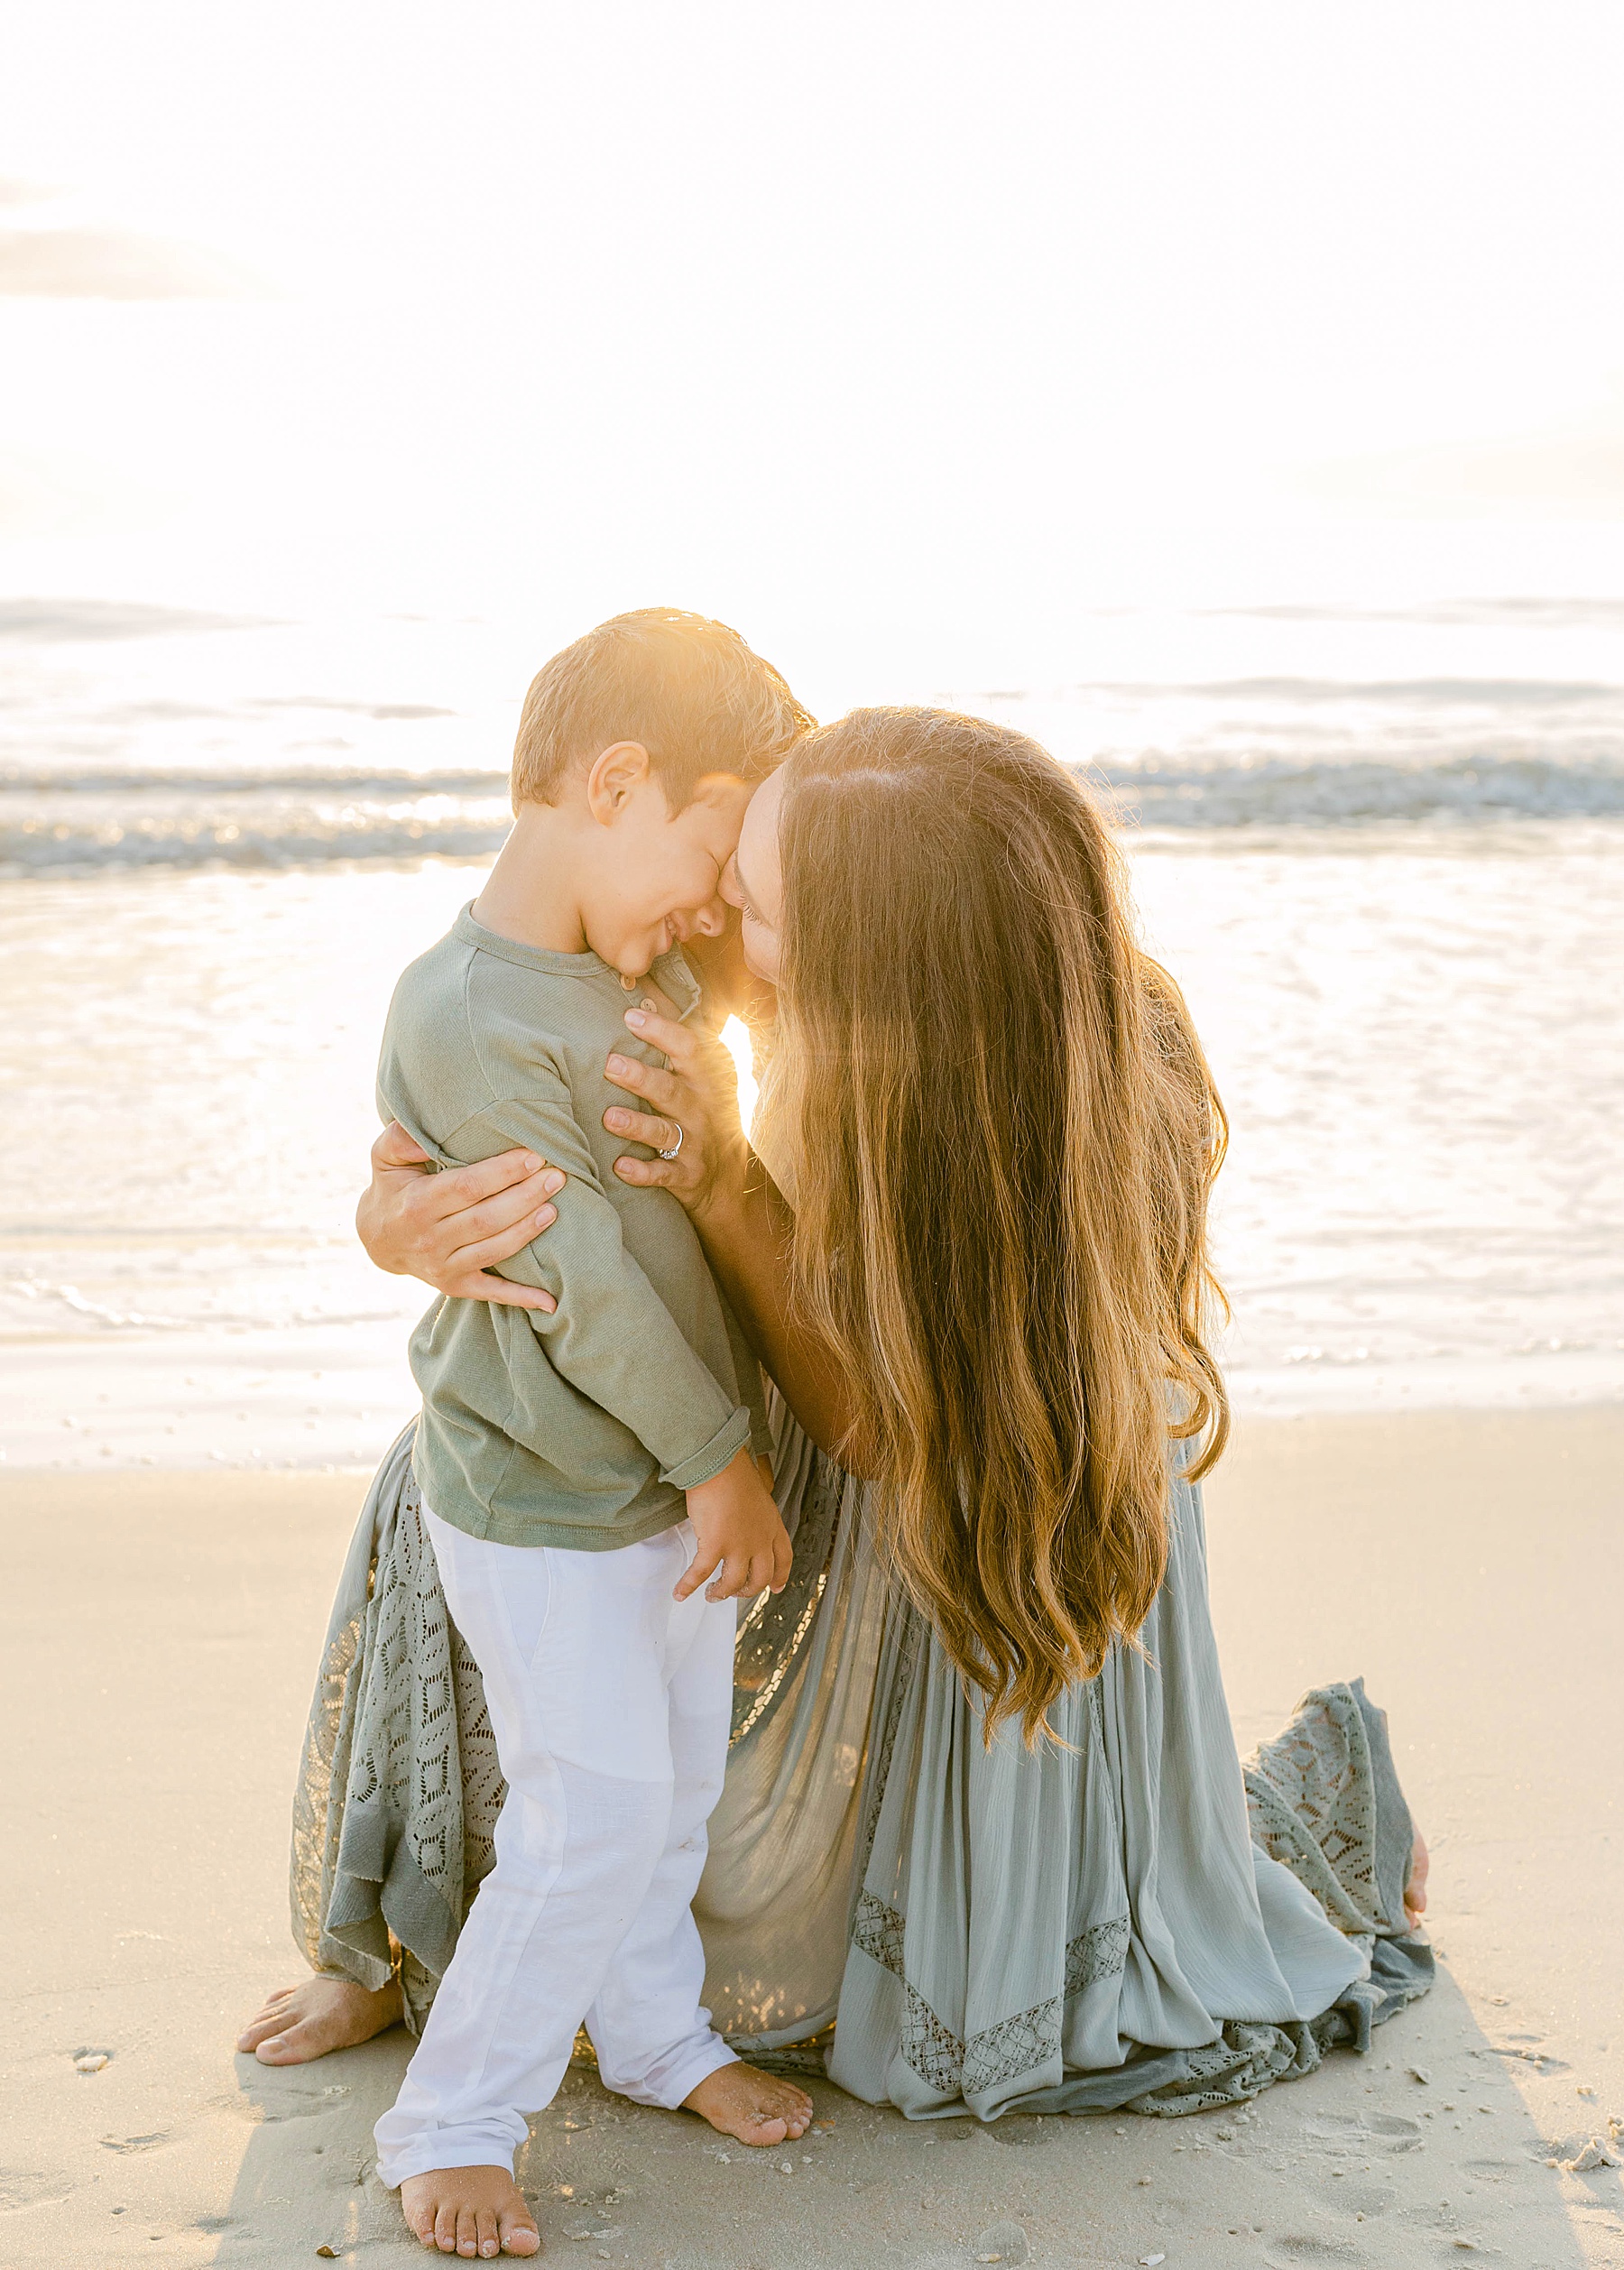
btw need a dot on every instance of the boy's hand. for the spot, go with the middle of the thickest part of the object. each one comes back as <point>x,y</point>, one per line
<point>742,1542</point>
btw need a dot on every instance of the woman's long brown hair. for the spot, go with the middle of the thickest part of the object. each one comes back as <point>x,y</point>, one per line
<point>1003,1135</point>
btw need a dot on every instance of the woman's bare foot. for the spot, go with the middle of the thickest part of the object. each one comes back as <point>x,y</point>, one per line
<point>322,2013</point>
<point>1415,1890</point>
<point>470,2210</point>
<point>756,2108</point>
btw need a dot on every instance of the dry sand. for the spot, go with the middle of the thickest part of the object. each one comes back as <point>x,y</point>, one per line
<point>160,1631</point>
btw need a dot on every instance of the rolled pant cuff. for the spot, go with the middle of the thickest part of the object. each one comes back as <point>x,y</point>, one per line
<point>439,2148</point>
<point>707,2059</point>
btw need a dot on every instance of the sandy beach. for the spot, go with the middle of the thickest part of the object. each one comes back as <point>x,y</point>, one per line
<point>160,1636</point>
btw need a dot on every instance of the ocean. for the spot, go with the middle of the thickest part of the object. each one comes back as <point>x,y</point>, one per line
<point>1381,848</point>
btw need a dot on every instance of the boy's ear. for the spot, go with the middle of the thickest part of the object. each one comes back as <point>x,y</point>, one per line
<point>615,777</point>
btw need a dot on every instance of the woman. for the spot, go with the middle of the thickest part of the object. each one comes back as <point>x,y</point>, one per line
<point>984,1842</point>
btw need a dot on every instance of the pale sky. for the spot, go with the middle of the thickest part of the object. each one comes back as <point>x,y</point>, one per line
<point>874,316</point>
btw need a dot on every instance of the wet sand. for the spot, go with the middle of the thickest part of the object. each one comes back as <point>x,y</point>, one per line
<point>160,1633</point>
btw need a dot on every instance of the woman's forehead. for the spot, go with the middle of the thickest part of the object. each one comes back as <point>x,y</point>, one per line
<point>758,835</point>
<point>762,810</point>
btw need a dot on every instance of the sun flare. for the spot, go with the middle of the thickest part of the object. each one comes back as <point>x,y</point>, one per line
<point>735,1039</point>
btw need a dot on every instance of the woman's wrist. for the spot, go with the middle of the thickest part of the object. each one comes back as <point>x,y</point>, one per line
<point>719,1204</point>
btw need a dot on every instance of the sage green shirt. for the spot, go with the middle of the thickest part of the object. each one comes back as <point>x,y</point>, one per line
<point>582,1428</point>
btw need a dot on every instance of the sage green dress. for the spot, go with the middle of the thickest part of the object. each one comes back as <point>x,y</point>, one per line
<point>1130,1920</point>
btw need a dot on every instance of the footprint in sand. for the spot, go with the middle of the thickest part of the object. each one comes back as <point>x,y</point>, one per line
<point>1369,2199</point>
<point>1525,2047</point>
<point>283,2103</point>
<point>31,2187</point>
<point>1387,2132</point>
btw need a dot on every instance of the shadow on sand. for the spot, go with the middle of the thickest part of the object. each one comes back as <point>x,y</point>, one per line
<point>1361,2163</point>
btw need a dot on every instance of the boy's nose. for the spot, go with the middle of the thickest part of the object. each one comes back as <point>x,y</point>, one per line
<point>711,920</point>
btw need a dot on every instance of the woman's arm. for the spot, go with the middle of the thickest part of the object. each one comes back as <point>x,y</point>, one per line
<point>450,1228</point>
<point>747,1234</point>
<point>743,1220</point>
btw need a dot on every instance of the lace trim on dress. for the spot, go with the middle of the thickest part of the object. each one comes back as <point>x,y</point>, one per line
<point>1312,1796</point>
<point>1015,2045</point>
<point>1098,1952</point>
<point>401,1786</point>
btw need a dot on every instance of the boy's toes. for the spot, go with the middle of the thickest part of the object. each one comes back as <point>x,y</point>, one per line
<point>758,2108</point>
<point>519,2234</point>
<point>418,2209</point>
<point>476,2213</point>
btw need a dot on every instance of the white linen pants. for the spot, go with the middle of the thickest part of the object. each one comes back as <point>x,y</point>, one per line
<point>609,1703</point>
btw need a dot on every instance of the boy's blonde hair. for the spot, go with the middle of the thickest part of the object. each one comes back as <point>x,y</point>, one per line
<point>690,690</point>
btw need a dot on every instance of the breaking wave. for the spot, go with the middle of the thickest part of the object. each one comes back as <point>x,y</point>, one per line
<point>73,823</point>
<point>60,823</point>
<point>1280,793</point>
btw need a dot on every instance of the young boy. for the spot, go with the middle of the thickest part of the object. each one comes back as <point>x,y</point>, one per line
<point>583,1473</point>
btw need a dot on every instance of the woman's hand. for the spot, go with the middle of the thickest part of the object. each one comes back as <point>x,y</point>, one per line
<point>450,1228</point>
<point>692,1109</point>
<point>1415,1889</point>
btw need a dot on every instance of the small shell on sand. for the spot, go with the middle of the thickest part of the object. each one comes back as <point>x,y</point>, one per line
<point>1594,2155</point>
<point>1417,2072</point>
<point>1002,2242</point>
<point>91,2061</point>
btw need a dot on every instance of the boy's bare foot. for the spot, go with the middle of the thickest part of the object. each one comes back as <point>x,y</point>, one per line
<point>319,2015</point>
<point>756,2108</point>
<point>470,2210</point>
